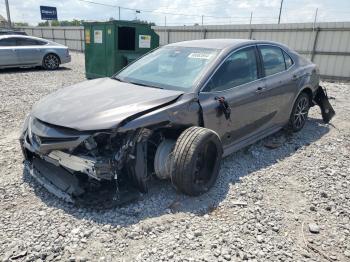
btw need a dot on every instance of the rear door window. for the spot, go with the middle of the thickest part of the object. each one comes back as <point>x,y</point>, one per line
<point>26,42</point>
<point>273,59</point>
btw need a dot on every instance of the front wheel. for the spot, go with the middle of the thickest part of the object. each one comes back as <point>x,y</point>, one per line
<point>196,160</point>
<point>299,113</point>
<point>51,62</point>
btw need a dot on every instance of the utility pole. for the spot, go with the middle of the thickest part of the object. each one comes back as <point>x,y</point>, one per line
<point>118,12</point>
<point>313,28</point>
<point>202,19</point>
<point>251,18</point>
<point>9,23</point>
<point>164,20</point>
<point>279,17</point>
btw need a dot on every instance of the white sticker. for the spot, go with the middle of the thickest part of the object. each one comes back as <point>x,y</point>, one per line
<point>144,41</point>
<point>200,55</point>
<point>98,34</point>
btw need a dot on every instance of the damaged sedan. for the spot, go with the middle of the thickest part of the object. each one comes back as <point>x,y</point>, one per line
<point>173,114</point>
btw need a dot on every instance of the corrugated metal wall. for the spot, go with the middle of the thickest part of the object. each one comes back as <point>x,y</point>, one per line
<point>71,36</point>
<point>327,44</point>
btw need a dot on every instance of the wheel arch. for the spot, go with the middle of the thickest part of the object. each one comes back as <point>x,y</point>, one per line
<point>308,91</point>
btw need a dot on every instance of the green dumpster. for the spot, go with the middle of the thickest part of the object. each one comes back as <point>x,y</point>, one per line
<point>109,46</point>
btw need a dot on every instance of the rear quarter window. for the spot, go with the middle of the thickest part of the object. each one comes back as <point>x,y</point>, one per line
<point>288,60</point>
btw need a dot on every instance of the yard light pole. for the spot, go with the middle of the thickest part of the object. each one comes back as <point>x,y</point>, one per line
<point>251,18</point>
<point>279,17</point>
<point>202,19</point>
<point>9,23</point>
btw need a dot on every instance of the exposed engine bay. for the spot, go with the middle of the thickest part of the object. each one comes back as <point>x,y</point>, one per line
<point>112,165</point>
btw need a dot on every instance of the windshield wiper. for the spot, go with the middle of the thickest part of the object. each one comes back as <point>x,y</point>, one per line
<point>118,79</point>
<point>139,84</point>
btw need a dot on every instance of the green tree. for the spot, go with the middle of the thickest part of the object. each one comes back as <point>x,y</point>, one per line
<point>46,23</point>
<point>20,24</point>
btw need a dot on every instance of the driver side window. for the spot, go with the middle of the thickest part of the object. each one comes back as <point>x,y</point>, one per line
<point>238,69</point>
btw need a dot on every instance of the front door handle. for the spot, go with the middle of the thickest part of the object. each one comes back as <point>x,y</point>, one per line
<point>260,89</point>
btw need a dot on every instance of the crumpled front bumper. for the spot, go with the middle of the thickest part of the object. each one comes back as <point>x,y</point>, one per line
<point>55,179</point>
<point>72,178</point>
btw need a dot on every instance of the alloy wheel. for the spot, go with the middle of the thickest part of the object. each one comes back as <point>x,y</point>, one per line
<point>301,112</point>
<point>51,62</point>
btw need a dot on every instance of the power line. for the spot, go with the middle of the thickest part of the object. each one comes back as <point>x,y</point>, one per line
<point>156,11</point>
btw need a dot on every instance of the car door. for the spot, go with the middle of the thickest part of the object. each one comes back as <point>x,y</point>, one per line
<point>238,84</point>
<point>280,82</point>
<point>8,55</point>
<point>28,51</point>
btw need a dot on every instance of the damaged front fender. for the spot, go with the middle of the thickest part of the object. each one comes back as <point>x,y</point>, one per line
<point>184,112</point>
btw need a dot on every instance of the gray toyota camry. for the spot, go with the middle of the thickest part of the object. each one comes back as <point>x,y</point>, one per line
<point>173,114</point>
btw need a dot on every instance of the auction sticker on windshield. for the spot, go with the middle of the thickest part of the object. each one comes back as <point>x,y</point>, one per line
<point>200,55</point>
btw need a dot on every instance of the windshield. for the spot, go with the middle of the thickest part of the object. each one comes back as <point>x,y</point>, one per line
<point>176,68</point>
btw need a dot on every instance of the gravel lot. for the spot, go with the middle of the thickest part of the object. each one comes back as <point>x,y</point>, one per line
<point>291,203</point>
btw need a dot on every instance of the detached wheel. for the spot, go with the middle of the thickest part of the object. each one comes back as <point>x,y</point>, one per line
<point>196,160</point>
<point>51,62</point>
<point>299,113</point>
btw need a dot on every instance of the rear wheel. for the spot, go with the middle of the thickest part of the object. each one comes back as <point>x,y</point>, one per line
<point>196,160</point>
<point>51,62</point>
<point>299,113</point>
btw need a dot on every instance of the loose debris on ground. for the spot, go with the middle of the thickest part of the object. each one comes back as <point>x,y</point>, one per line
<point>286,198</point>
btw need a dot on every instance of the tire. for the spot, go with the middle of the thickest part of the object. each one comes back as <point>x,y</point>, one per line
<point>196,160</point>
<point>51,62</point>
<point>299,113</point>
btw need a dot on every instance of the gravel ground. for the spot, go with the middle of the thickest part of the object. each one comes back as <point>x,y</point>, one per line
<point>290,203</point>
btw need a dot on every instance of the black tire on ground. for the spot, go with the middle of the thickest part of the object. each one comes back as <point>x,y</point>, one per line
<point>51,62</point>
<point>196,160</point>
<point>299,113</point>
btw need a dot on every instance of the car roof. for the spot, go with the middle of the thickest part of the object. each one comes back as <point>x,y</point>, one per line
<point>223,43</point>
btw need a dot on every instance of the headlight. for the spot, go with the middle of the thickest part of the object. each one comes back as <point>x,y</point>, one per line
<point>25,126</point>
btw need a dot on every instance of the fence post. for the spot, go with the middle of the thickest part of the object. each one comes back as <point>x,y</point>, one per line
<point>204,33</point>
<point>42,34</point>
<point>168,36</point>
<point>53,34</point>
<point>64,36</point>
<point>81,40</point>
<point>313,52</point>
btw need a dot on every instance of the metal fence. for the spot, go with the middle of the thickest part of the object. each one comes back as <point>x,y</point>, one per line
<point>326,44</point>
<point>71,36</point>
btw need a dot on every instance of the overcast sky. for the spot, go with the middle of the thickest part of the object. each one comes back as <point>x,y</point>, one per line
<point>179,12</point>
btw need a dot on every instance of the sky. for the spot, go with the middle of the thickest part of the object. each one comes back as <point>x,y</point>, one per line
<point>184,12</point>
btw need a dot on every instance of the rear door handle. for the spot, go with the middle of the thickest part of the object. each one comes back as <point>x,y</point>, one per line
<point>260,89</point>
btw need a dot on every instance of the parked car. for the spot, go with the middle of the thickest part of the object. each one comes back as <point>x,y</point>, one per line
<point>28,51</point>
<point>173,113</point>
<point>11,32</point>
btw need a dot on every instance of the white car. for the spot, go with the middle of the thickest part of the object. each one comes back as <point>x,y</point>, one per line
<point>28,51</point>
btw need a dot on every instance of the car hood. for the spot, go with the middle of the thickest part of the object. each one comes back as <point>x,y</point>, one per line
<point>99,104</point>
